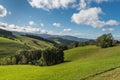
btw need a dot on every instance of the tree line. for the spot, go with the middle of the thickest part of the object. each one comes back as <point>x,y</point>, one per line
<point>6,34</point>
<point>103,41</point>
<point>45,57</point>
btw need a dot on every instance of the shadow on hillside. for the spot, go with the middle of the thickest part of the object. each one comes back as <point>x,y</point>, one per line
<point>66,61</point>
<point>63,62</point>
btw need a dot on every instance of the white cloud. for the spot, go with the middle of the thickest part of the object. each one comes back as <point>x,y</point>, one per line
<point>31,23</point>
<point>3,11</point>
<point>13,27</point>
<point>55,4</point>
<point>107,29</point>
<point>82,5</point>
<point>56,24</point>
<point>51,4</point>
<point>99,1</point>
<point>112,23</point>
<point>91,17</point>
<point>67,30</point>
<point>86,3</point>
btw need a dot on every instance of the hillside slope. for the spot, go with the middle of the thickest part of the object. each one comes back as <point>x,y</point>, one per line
<point>5,33</point>
<point>34,43</point>
<point>9,46</point>
<point>61,41</point>
<point>81,63</point>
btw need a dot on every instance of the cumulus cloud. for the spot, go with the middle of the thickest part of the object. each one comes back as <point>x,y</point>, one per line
<point>107,29</point>
<point>51,4</point>
<point>67,30</point>
<point>91,17</point>
<point>88,17</point>
<point>86,3</point>
<point>3,11</point>
<point>31,23</point>
<point>56,24</point>
<point>99,1</point>
<point>112,23</point>
<point>13,27</point>
<point>82,5</point>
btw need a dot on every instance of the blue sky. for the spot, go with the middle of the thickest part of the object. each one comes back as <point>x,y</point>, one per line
<point>81,18</point>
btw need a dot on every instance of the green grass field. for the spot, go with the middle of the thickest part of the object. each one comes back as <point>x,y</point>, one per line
<point>110,75</point>
<point>34,43</point>
<point>9,47</point>
<point>80,62</point>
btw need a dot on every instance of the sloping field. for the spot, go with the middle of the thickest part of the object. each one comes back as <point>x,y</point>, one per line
<point>81,63</point>
<point>9,46</point>
<point>34,43</point>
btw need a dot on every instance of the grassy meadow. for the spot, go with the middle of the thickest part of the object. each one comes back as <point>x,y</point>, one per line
<point>10,47</point>
<point>80,63</point>
<point>110,75</point>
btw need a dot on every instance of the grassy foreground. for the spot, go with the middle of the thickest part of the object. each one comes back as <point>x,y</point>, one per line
<point>80,63</point>
<point>110,75</point>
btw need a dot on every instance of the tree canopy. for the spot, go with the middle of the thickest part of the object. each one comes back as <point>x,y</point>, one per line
<point>105,40</point>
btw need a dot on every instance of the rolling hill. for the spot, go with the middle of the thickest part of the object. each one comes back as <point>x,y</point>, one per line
<point>5,33</point>
<point>80,64</point>
<point>61,41</point>
<point>10,44</point>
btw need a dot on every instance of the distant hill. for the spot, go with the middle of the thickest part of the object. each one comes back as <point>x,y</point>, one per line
<point>39,38</point>
<point>60,41</point>
<point>72,38</point>
<point>5,33</point>
<point>66,37</point>
<point>47,36</point>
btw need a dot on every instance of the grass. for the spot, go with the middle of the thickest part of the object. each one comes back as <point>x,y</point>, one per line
<point>9,46</point>
<point>34,43</point>
<point>110,75</point>
<point>82,62</point>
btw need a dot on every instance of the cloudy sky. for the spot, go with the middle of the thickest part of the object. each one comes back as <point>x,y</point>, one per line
<point>81,18</point>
